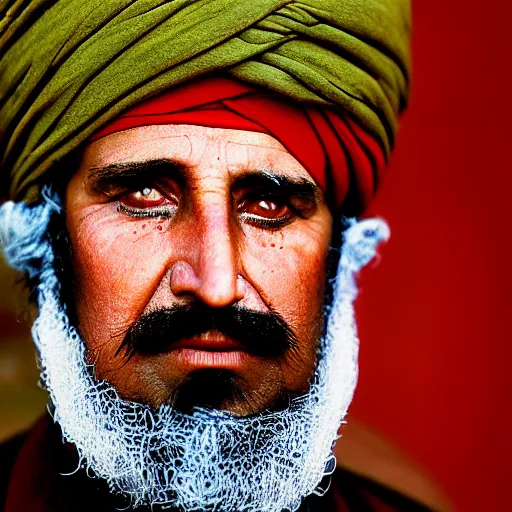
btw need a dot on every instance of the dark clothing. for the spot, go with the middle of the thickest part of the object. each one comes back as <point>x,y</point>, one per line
<point>38,474</point>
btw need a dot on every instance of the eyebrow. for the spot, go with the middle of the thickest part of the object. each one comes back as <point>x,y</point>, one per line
<point>298,187</point>
<point>131,173</point>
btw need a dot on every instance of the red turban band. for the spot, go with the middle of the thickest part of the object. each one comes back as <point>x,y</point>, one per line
<point>343,159</point>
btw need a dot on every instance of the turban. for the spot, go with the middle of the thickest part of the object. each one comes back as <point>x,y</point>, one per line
<point>69,67</point>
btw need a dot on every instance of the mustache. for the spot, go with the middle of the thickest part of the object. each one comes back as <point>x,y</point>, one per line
<point>262,334</point>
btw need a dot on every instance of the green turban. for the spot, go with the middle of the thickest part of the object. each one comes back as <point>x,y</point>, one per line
<point>67,67</point>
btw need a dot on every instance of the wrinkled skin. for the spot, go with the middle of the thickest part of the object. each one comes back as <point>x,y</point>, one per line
<point>198,232</point>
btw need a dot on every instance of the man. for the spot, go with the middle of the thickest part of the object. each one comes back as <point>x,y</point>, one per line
<point>182,173</point>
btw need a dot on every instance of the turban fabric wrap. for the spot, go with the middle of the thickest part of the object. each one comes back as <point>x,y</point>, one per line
<point>70,67</point>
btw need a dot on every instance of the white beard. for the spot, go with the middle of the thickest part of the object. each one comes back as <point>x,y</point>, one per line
<point>206,460</point>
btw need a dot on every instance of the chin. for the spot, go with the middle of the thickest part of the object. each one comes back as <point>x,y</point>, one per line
<point>224,390</point>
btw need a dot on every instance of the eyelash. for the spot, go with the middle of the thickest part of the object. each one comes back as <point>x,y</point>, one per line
<point>166,213</point>
<point>267,223</point>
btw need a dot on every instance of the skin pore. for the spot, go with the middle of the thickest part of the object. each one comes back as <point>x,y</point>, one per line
<point>174,215</point>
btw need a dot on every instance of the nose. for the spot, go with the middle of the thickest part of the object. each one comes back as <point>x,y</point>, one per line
<point>208,268</point>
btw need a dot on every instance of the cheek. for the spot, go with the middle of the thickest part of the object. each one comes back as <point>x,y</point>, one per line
<point>288,270</point>
<point>118,264</point>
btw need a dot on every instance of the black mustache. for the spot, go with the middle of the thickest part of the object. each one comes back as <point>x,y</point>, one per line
<point>262,334</point>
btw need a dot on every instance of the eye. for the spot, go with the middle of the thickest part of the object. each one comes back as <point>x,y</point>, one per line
<point>147,202</point>
<point>271,212</point>
<point>265,208</point>
<point>145,198</point>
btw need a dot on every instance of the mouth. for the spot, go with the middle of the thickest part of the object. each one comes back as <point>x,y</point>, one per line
<point>211,350</point>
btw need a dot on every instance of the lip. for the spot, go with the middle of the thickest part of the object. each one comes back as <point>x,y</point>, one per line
<point>210,344</point>
<point>210,351</point>
<point>190,359</point>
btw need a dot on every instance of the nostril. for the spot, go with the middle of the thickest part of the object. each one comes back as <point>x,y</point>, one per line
<point>240,287</point>
<point>183,278</point>
<point>215,283</point>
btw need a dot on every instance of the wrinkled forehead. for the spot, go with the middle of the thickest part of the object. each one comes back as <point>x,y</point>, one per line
<point>194,147</point>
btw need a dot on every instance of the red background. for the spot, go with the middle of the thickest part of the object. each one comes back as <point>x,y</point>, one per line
<point>435,313</point>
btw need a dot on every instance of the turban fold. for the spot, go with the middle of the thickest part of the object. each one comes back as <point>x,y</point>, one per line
<point>68,67</point>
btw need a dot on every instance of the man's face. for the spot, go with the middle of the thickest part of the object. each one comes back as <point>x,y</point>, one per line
<point>165,218</point>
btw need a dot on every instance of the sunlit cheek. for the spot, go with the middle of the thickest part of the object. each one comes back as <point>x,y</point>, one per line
<point>118,263</point>
<point>289,270</point>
